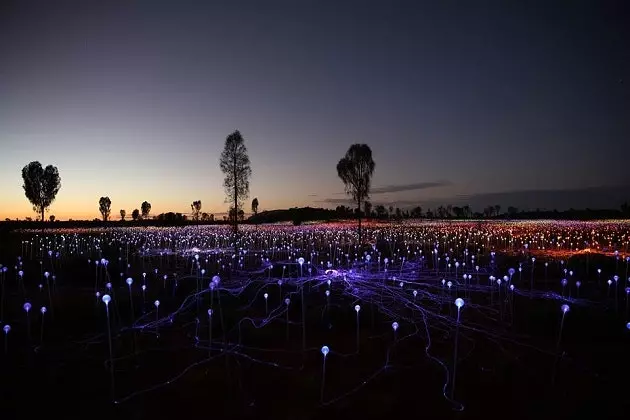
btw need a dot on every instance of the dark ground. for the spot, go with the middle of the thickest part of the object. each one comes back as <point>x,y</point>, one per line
<point>503,370</point>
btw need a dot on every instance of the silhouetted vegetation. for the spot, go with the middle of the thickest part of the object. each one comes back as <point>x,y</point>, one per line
<point>235,166</point>
<point>146,209</point>
<point>40,186</point>
<point>135,214</point>
<point>355,170</point>
<point>195,208</point>
<point>123,214</point>
<point>104,207</point>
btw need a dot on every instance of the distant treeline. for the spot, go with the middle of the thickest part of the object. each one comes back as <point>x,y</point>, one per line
<point>305,214</point>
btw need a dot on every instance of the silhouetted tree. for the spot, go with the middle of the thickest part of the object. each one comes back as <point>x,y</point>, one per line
<point>497,209</point>
<point>135,214</point>
<point>196,209</point>
<point>381,212</point>
<point>205,217</point>
<point>104,206</point>
<point>52,218</point>
<point>40,185</point>
<point>146,209</point>
<point>355,170</point>
<point>512,211</point>
<point>123,213</point>
<point>255,206</point>
<point>235,165</point>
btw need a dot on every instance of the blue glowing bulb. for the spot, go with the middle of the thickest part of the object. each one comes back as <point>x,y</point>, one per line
<point>210,312</point>
<point>156,303</point>
<point>459,302</point>
<point>325,350</point>
<point>266,295</point>
<point>616,278</point>
<point>7,328</point>
<point>564,282</point>
<point>415,293</point>
<point>106,299</point>
<point>300,260</point>
<point>627,325</point>
<point>443,281</point>
<point>287,301</point>
<point>27,306</point>
<point>565,308</point>
<point>108,286</point>
<point>216,279</point>
<point>21,273</point>
<point>203,271</point>
<point>357,308</point>
<point>627,290</point>
<point>129,281</point>
<point>46,274</point>
<point>327,292</point>
<point>512,287</point>
<point>43,310</point>
<point>449,284</point>
<point>143,287</point>
<point>395,325</point>
<point>578,283</point>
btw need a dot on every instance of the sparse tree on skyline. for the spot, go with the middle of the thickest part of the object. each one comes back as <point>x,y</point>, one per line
<point>196,210</point>
<point>123,213</point>
<point>235,165</point>
<point>135,214</point>
<point>104,206</point>
<point>255,206</point>
<point>146,209</point>
<point>355,170</point>
<point>40,186</point>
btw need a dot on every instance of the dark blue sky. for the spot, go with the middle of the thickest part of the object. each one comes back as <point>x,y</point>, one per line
<point>457,99</point>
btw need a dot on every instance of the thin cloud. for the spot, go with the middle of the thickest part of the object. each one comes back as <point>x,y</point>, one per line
<point>409,187</point>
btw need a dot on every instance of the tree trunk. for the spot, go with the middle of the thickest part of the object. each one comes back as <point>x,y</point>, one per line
<point>235,197</point>
<point>359,214</point>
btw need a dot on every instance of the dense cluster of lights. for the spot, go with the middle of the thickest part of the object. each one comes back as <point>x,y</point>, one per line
<point>421,277</point>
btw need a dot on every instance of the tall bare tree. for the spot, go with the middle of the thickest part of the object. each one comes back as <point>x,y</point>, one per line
<point>355,170</point>
<point>105,207</point>
<point>40,185</point>
<point>235,165</point>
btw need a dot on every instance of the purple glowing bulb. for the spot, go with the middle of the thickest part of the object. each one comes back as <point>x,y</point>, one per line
<point>459,302</point>
<point>565,308</point>
<point>449,284</point>
<point>511,287</point>
<point>325,350</point>
<point>129,281</point>
<point>98,295</point>
<point>46,274</point>
<point>300,260</point>
<point>564,282</point>
<point>415,293</point>
<point>156,303</point>
<point>143,287</point>
<point>327,292</point>
<point>578,284</point>
<point>43,310</point>
<point>27,307</point>
<point>106,299</point>
<point>21,273</point>
<point>266,295</point>
<point>287,301</point>
<point>7,328</point>
<point>357,308</point>
<point>627,290</point>
<point>395,325</point>
<point>627,325</point>
<point>108,286</point>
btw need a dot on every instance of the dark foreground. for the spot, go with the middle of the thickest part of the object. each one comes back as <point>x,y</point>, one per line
<point>506,353</point>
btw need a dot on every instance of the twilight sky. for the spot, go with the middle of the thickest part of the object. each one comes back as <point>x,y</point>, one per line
<point>459,100</point>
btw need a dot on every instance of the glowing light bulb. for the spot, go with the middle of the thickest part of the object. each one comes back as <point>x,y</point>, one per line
<point>459,302</point>
<point>357,308</point>
<point>106,299</point>
<point>327,292</point>
<point>156,303</point>
<point>108,286</point>
<point>129,281</point>
<point>7,328</point>
<point>27,306</point>
<point>415,293</point>
<point>43,310</point>
<point>512,287</point>
<point>300,260</point>
<point>143,287</point>
<point>325,350</point>
<point>266,295</point>
<point>287,301</point>
<point>565,308</point>
<point>395,325</point>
